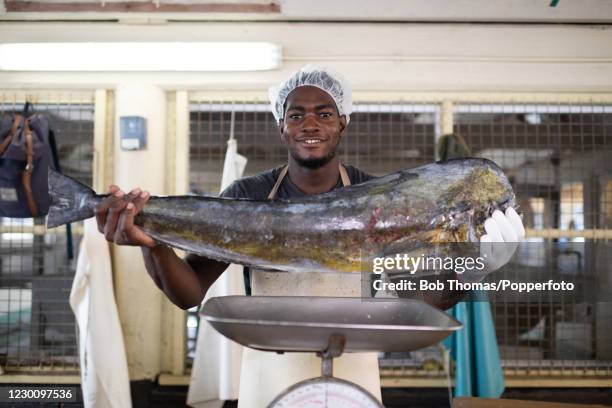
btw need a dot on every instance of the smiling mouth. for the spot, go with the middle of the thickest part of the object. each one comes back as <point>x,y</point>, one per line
<point>311,141</point>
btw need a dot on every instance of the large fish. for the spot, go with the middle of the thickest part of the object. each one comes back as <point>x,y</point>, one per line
<point>340,231</point>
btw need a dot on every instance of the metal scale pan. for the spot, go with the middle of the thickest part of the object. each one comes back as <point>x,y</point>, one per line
<point>283,323</point>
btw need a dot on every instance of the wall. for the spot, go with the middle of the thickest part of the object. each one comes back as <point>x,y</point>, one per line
<point>399,57</point>
<point>363,10</point>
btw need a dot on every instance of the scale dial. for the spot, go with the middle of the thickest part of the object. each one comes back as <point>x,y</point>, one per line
<point>324,392</point>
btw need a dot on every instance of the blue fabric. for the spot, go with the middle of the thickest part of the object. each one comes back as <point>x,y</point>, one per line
<point>478,371</point>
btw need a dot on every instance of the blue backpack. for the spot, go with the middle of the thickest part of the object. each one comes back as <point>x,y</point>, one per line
<point>26,145</point>
<point>27,151</point>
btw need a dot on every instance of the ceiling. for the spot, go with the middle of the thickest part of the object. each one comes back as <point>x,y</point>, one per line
<point>468,11</point>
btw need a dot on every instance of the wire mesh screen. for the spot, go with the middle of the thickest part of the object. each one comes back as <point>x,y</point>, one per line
<point>210,123</point>
<point>558,160</point>
<point>381,138</point>
<point>384,138</point>
<point>37,327</point>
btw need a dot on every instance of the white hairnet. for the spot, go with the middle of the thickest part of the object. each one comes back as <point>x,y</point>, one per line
<point>323,78</point>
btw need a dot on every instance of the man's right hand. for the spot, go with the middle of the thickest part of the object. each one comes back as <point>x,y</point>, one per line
<point>115,217</point>
<point>184,282</point>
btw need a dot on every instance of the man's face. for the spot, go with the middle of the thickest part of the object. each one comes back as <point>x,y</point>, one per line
<point>311,128</point>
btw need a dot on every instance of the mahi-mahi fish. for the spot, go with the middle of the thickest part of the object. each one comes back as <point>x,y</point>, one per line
<point>339,231</point>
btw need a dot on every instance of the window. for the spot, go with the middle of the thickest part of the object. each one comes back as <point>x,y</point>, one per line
<point>37,327</point>
<point>556,157</point>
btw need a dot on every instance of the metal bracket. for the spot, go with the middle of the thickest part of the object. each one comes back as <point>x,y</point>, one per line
<point>335,347</point>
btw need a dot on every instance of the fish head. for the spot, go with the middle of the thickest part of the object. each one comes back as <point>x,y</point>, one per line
<point>472,198</point>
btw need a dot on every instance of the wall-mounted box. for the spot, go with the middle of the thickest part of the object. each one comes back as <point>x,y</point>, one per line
<point>133,132</point>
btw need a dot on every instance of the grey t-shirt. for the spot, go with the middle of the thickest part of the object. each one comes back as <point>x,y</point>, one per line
<point>258,187</point>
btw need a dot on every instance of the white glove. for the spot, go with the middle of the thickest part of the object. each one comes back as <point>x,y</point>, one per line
<point>504,232</point>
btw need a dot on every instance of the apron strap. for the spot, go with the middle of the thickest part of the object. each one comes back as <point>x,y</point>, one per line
<point>9,138</point>
<point>346,181</point>
<point>279,180</point>
<point>26,176</point>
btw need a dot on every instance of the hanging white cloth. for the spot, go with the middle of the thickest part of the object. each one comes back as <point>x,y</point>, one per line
<point>104,371</point>
<point>215,376</point>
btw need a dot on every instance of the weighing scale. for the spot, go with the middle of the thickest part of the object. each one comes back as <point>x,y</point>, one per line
<point>328,326</point>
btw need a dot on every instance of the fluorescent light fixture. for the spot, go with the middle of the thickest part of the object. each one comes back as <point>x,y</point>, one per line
<point>143,56</point>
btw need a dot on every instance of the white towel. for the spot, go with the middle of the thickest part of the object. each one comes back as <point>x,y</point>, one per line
<point>104,372</point>
<point>215,376</point>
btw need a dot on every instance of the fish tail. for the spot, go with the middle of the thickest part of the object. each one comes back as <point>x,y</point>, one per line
<point>69,200</point>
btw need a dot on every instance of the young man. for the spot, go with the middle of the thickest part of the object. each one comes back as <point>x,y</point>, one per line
<point>311,123</point>
<point>312,109</point>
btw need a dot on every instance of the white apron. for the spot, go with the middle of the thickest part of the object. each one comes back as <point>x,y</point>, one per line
<point>266,374</point>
